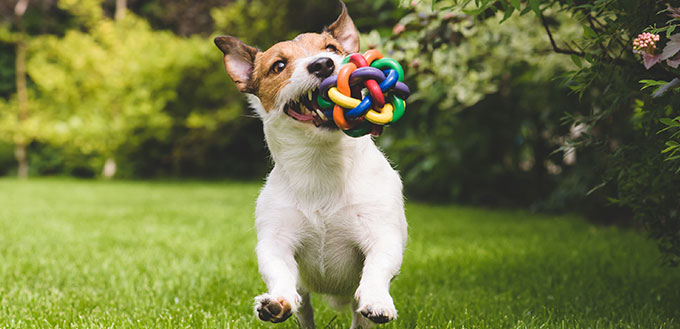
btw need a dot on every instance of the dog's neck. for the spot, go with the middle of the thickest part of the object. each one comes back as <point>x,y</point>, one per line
<point>317,165</point>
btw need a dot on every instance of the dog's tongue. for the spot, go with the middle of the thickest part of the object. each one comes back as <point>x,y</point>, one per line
<point>301,117</point>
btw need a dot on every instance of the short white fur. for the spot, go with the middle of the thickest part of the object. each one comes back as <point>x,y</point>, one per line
<point>330,218</point>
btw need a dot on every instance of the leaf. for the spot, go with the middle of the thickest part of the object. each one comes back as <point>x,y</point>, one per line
<point>672,47</point>
<point>674,83</point>
<point>670,148</point>
<point>597,187</point>
<point>525,10</point>
<point>651,83</point>
<point>673,12</point>
<point>674,62</point>
<point>590,58</point>
<point>584,6</point>
<point>670,122</point>
<point>508,14</point>
<point>534,5</point>
<point>589,33</point>
<point>650,60</point>
<point>576,60</point>
<point>515,3</point>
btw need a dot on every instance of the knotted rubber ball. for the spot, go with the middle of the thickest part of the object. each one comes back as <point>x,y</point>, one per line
<point>367,94</point>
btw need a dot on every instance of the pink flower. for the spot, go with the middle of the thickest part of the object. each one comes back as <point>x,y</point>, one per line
<point>645,43</point>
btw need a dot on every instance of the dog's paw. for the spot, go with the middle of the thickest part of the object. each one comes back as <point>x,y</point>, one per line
<point>378,313</point>
<point>378,310</point>
<point>272,309</point>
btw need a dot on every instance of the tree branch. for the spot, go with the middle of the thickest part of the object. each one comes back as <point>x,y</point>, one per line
<point>554,45</point>
<point>605,52</point>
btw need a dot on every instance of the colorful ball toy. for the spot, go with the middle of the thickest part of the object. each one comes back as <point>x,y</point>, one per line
<point>366,95</point>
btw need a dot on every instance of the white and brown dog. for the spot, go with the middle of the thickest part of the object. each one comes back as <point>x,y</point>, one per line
<point>330,218</point>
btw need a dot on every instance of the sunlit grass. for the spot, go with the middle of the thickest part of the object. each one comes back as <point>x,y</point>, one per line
<point>83,254</point>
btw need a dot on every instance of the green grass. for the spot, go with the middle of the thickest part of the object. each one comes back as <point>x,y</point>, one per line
<point>79,254</point>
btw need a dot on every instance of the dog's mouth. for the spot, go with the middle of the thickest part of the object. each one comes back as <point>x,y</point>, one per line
<point>306,109</point>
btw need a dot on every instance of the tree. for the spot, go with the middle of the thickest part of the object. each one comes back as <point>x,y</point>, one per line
<point>114,89</point>
<point>484,115</point>
<point>110,166</point>
<point>22,93</point>
<point>22,122</point>
<point>618,133</point>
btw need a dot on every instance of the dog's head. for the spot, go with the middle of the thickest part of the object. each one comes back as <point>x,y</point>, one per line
<point>286,77</point>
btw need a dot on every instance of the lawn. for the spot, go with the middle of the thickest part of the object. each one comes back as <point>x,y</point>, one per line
<point>91,254</point>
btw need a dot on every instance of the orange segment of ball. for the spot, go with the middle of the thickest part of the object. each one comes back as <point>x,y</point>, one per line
<point>372,55</point>
<point>343,87</point>
<point>343,78</point>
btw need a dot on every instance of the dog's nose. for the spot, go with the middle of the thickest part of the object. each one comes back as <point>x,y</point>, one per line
<point>322,67</point>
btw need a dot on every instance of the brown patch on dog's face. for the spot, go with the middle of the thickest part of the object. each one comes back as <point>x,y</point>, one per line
<point>266,74</point>
<point>269,76</point>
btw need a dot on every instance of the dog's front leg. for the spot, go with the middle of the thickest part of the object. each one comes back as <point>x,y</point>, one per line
<point>383,246</point>
<point>276,260</point>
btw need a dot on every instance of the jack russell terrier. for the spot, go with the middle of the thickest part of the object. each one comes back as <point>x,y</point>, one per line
<point>330,218</point>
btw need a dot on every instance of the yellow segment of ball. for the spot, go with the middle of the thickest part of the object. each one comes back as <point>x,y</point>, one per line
<point>344,101</point>
<point>382,118</point>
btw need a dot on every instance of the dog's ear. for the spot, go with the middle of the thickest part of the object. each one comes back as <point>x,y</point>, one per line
<point>344,31</point>
<point>239,60</point>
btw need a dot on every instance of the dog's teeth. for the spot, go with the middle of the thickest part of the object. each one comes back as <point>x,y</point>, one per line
<point>305,110</point>
<point>309,94</point>
<point>321,115</point>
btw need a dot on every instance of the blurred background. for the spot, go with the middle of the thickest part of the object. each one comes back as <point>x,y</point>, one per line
<point>539,110</point>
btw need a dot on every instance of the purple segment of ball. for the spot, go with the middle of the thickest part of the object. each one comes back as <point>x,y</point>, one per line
<point>366,73</point>
<point>327,84</point>
<point>361,74</point>
<point>401,90</point>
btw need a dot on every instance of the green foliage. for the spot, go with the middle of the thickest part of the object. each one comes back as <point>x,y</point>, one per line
<point>669,59</point>
<point>673,147</point>
<point>88,12</point>
<point>7,74</point>
<point>108,90</point>
<point>180,255</point>
<point>7,161</point>
<point>612,133</point>
<point>160,104</point>
<point>484,115</point>
<point>516,103</point>
<point>257,22</point>
<point>261,24</point>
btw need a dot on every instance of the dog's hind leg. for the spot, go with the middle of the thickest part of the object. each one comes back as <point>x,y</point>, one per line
<point>305,313</point>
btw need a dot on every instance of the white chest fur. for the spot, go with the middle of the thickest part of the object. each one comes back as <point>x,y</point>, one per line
<point>330,218</point>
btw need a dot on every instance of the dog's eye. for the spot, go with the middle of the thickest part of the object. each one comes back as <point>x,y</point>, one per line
<point>278,67</point>
<point>332,48</point>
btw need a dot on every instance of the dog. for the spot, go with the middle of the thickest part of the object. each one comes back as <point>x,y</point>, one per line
<point>330,218</point>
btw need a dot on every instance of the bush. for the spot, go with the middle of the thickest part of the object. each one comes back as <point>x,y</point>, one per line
<point>7,161</point>
<point>614,133</point>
